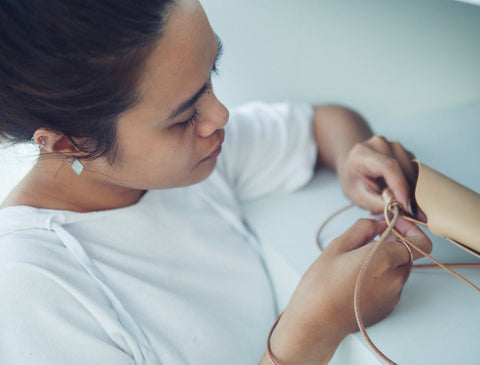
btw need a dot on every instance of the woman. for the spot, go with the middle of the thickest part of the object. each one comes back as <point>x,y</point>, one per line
<point>125,243</point>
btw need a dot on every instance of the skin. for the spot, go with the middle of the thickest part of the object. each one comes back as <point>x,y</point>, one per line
<point>159,152</point>
<point>320,313</point>
<point>156,152</point>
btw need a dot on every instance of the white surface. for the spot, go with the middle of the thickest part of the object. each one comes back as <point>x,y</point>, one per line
<point>386,58</point>
<point>438,318</point>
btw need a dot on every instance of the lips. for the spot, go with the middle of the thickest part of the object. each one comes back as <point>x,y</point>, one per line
<point>214,154</point>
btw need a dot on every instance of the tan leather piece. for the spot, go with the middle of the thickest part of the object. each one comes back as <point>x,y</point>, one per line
<point>452,210</point>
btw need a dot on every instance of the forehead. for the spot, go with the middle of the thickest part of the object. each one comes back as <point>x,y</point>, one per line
<point>181,61</point>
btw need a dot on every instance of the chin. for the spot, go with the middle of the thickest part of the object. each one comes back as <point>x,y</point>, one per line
<point>198,175</point>
<point>205,173</point>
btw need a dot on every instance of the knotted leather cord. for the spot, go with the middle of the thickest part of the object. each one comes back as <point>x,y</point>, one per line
<point>395,208</point>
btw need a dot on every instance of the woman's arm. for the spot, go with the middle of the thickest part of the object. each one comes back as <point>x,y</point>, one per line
<point>320,313</point>
<point>337,129</point>
<point>365,165</point>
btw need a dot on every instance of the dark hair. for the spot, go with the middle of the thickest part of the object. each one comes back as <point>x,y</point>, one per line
<point>73,66</point>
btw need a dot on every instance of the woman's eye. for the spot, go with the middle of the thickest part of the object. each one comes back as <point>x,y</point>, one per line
<point>190,121</point>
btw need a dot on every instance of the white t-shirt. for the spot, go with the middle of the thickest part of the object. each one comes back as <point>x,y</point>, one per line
<point>177,278</point>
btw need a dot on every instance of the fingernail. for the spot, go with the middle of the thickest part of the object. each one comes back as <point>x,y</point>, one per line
<point>414,232</point>
<point>377,217</point>
<point>412,209</point>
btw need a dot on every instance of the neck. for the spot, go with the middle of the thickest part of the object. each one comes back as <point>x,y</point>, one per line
<point>52,184</point>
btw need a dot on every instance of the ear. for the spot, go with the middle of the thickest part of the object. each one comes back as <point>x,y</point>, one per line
<point>53,142</point>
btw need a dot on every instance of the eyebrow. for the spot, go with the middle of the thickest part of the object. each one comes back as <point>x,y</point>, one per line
<point>187,104</point>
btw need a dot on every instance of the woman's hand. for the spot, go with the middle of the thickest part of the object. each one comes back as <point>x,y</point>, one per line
<point>365,165</point>
<point>321,313</point>
<point>371,166</point>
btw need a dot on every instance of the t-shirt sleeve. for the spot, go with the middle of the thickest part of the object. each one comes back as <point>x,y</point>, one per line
<point>268,149</point>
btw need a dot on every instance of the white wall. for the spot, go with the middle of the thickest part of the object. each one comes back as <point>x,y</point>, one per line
<point>14,164</point>
<point>387,58</point>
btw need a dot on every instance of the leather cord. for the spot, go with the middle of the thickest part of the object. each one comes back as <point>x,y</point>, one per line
<point>393,211</point>
<point>395,208</point>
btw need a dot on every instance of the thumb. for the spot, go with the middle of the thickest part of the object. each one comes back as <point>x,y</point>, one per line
<point>360,234</point>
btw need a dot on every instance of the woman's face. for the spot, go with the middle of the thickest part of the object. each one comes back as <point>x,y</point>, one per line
<point>173,135</point>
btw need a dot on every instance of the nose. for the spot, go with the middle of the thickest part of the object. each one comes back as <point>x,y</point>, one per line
<point>213,115</point>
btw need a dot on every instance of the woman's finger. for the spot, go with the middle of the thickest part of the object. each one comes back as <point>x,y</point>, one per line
<point>375,166</point>
<point>405,158</point>
<point>361,233</point>
<point>396,178</point>
<point>380,144</point>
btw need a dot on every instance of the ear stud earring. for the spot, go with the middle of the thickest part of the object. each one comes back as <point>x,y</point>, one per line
<point>42,145</point>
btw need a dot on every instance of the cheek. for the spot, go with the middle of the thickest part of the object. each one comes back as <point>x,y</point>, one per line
<point>164,159</point>
<point>150,145</point>
<point>179,146</point>
<point>171,153</point>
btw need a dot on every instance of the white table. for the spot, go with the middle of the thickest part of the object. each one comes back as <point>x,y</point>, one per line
<point>438,318</point>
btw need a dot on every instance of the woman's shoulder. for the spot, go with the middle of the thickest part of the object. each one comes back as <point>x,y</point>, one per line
<point>24,235</point>
<point>32,254</point>
<point>43,289</point>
